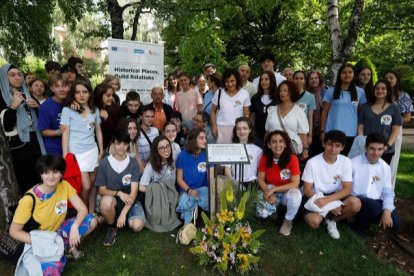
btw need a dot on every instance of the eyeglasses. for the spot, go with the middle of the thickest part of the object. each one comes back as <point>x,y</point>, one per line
<point>166,148</point>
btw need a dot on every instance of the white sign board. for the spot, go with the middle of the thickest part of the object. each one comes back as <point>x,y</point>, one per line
<point>227,154</point>
<point>139,66</point>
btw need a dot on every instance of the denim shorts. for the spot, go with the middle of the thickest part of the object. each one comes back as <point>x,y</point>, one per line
<point>136,211</point>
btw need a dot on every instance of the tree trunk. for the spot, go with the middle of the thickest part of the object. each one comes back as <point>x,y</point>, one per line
<point>9,194</point>
<point>117,22</point>
<point>341,49</point>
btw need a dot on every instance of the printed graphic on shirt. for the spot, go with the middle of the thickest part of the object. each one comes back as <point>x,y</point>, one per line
<point>375,179</point>
<point>386,120</point>
<point>336,179</point>
<point>91,125</point>
<point>302,106</point>
<point>285,174</point>
<point>61,207</point>
<point>201,167</point>
<point>126,179</point>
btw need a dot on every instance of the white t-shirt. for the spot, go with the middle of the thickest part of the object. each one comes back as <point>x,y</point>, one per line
<point>150,176</point>
<point>118,166</point>
<point>327,178</point>
<point>279,79</point>
<point>295,122</point>
<point>175,150</point>
<point>144,147</point>
<point>370,179</point>
<point>231,108</point>
<point>250,170</point>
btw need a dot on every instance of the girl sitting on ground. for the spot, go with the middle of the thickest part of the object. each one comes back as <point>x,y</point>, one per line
<point>50,200</point>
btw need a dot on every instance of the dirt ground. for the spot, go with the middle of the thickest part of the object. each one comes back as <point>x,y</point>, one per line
<point>397,248</point>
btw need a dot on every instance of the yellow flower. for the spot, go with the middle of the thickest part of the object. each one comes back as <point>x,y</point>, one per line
<point>229,192</point>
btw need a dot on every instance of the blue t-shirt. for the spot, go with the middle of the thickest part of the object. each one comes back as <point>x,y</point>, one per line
<point>49,118</point>
<point>306,102</point>
<point>207,104</point>
<point>81,130</point>
<point>194,169</point>
<point>343,113</point>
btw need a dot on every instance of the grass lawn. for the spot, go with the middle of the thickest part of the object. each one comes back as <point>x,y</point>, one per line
<point>304,252</point>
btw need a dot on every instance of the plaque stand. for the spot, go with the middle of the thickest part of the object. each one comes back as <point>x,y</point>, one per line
<point>225,154</point>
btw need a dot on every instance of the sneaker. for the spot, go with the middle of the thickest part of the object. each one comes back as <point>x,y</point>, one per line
<point>286,227</point>
<point>110,236</point>
<point>332,230</point>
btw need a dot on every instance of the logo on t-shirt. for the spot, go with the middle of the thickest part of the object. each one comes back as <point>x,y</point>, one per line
<point>126,179</point>
<point>336,179</point>
<point>375,179</point>
<point>202,167</point>
<point>386,120</point>
<point>302,106</point>
<point>237,103</point>
<point>61,207</point>
<point>285,174</point>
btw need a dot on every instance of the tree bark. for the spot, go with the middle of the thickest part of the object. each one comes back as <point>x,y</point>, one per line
<point>9,194</point>
<point>117,22</point>
<point>341,49</point>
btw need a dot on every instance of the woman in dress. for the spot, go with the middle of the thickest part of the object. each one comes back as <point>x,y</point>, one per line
<point>289,117</point>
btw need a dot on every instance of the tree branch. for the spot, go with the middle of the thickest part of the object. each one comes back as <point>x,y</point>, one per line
<point>354,26</point>
<point>135,24</point>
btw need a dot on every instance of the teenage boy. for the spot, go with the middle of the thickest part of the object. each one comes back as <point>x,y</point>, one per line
<point>201,120</point>
<point>268,63</point>
<point>188,100</point>
<point>117,181</point>
<point>372,185</point>
<point>49,115</point>
<point>330,173</point>
<point>162,111</point>
<point>147,134</point>
<point>131,107</point>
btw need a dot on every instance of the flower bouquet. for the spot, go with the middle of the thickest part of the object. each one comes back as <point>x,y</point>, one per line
<point>228,242</point>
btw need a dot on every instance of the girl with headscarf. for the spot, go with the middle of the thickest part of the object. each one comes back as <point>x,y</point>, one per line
<point>18,113</point>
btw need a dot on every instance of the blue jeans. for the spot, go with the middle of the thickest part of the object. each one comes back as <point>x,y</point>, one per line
<point>187,204</point>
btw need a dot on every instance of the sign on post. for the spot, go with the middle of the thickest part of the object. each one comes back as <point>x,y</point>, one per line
<point>139,66</point>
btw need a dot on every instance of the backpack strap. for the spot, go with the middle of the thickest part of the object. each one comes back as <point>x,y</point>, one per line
<point>146,136</point>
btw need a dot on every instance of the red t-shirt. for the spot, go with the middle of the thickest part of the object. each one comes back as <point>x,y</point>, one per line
<point>277,177</point>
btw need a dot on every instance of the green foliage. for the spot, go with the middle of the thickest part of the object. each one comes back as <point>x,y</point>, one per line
<point>26,26</point>
<point>406,74</point>
<point>404,186</point>
<point>96,79</point>
<point>34,65</point>
<point>366,62</point>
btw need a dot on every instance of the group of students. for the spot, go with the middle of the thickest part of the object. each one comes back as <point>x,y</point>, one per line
<point>147,162</point>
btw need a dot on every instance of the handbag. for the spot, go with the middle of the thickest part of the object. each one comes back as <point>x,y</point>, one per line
<point>10,248</point>
<point>294,146</point>
<point>188,232</point>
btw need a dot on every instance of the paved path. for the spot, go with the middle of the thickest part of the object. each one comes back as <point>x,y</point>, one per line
<point>408,139</point>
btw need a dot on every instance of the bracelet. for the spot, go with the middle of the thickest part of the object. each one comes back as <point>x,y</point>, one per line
<point>188,190</point>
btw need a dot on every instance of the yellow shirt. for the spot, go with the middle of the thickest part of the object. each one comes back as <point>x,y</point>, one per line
<point>49,213</point>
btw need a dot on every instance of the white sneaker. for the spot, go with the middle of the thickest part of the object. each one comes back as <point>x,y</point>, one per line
<point>332,230</point>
